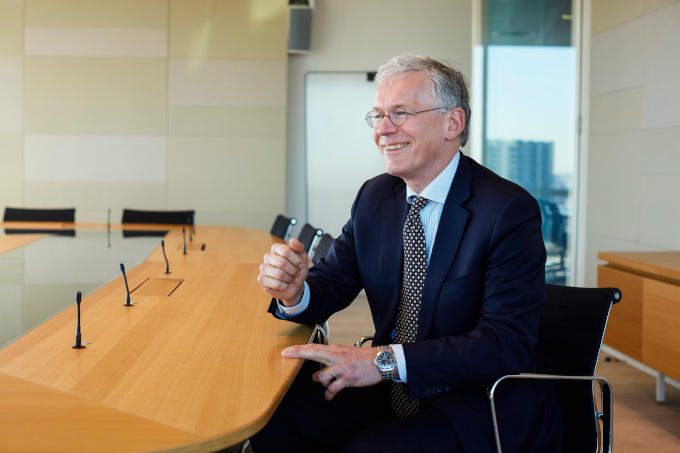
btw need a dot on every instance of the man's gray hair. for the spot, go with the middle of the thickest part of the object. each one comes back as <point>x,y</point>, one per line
<point>449,88</point>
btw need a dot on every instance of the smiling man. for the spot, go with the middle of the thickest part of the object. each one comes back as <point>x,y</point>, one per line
<point>452,261</point>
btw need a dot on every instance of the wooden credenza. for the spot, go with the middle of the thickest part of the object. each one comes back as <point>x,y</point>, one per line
<point>646,325</point>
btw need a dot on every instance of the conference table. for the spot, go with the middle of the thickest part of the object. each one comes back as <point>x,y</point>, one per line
<point>193,365</point>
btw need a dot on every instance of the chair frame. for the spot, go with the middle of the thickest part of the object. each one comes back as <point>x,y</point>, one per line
<point>605,415</point>
<point>605,442</point>
<point>322,332</point>
<point>318,232</point>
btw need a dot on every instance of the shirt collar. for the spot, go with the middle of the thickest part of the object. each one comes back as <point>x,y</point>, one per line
<point>438,189</point>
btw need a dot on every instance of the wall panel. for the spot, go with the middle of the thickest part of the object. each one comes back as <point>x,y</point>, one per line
<point>156,104</point>
<point>227,97</point>
<point>633,156</point>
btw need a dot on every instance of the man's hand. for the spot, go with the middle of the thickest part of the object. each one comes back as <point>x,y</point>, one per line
<point>346,366</point>
<point>283,272</point>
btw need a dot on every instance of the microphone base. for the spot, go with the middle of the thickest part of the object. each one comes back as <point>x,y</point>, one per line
<point>129,305</point>
<point>78,346</point>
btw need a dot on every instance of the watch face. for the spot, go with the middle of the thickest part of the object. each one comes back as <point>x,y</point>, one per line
<point>384,360</point>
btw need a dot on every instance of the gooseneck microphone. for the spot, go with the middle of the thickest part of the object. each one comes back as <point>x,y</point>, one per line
<point>78,344</point>
<point>184,241</point>
<point>127,289</point>
<point>108,228</point>
<point>190,222</point>
<point>167,265</point>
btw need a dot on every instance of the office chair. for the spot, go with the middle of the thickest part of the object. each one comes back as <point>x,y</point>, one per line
<point>571,328</point>
<point>322,247</point>
<point>39,215</point>
<point>165,217</point>
<point>282,225</point>
<point>308,236</point>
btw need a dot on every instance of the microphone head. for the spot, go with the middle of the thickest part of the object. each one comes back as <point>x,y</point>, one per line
<point>79,297</point>
<point>162,243</point>
<point>122,267</point>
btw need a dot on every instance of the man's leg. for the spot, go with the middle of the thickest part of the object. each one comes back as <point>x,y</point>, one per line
<point>305,421</point>
<point>430,430</point>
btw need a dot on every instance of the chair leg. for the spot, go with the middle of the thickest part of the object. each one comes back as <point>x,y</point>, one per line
<point>606,416</point>
<point>660,387</point>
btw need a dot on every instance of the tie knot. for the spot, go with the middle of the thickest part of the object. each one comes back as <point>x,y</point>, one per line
<point>417,203</point>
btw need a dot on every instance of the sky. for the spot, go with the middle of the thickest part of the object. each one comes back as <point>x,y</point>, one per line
<point>531,95</point>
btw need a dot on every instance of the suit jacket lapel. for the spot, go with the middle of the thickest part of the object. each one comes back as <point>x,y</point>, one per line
<point>392,218</point>
<point>452,224</point>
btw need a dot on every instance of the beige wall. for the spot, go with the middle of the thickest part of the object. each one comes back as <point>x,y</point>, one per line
<point>360,35</point>
<point>633,157</point>
<point>155,104</point>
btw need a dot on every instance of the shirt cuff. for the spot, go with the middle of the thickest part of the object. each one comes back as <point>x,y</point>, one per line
<point>401,361</point>
<point>296,309</point>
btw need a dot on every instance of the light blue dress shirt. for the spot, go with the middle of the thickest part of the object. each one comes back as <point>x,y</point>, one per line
<point>436,192</point>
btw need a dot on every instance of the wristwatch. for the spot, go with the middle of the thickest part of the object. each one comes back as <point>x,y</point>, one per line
<point>385,362</point>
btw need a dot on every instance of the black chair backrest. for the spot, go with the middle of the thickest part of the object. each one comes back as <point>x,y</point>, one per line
<point>571,329</point>
<point>40,215</point>
<point>322,247</point>
<point>166,217</point>
<point>308,235</point>
<point>281,226</point>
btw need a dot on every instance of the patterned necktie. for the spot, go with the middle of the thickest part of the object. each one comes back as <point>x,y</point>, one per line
<point>415,267</point>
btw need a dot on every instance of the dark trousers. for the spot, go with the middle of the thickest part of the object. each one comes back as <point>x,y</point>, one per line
<point>356,420</point>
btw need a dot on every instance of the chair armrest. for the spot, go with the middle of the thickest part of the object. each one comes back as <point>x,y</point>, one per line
<point>361,341</point>
<point>321,332</point>
<point>606,403</point>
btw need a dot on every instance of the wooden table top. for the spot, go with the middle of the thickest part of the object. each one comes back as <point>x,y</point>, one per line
<point>663,265</point>
<point>194,365</point>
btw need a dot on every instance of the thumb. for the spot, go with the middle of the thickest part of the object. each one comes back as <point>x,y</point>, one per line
<point>296,246</point>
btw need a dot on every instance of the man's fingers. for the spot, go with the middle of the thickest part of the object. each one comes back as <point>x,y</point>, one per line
<point>332,379</point>
<point>279,262</point>
<point>325,376</point>
<point>269,283</point>
<point>275,273</point>
<point>316,352</point>
<point>297,246</point>
<point>333,388</point>
<point>287,252</point>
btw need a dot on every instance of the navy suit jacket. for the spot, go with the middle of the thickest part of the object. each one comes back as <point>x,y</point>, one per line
<point>483,291</point>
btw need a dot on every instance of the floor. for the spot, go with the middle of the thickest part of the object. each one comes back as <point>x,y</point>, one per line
<point>640,424</point>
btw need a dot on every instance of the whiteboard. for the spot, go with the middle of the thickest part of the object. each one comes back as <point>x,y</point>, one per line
<point>340,153</point>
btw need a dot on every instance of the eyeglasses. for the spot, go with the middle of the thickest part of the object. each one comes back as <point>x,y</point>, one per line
<point>399,117</point>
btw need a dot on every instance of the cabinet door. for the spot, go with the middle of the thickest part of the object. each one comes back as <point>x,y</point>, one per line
<point>661,327</point>
<point>624,328</point>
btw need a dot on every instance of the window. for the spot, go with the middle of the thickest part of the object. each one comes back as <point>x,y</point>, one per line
<point>530,71</point>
